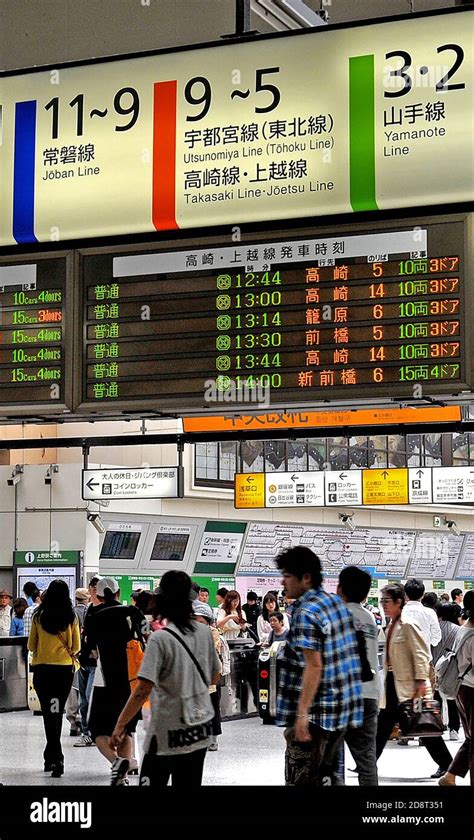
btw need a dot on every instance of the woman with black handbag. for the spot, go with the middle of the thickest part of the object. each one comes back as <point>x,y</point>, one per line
<point>54,641</point>
<point>407,674</point>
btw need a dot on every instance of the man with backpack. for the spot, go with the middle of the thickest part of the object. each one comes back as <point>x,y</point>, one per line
<point>353,588</point>
<point>109,630</point>
<point>460,666</point>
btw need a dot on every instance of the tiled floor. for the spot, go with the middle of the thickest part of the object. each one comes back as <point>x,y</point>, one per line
<point>249,754</point>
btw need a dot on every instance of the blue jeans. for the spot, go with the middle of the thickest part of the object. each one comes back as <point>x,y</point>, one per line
<point>361,743</point>
<point>86,681</point>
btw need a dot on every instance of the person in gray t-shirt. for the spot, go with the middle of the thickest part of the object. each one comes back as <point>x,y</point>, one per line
<point>181,722</point>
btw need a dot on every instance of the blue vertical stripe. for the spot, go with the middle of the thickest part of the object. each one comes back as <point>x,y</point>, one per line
<point>24,172</point>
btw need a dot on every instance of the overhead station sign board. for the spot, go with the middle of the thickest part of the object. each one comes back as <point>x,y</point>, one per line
<point>376,311</point>
<point>368,117</point>
<point>36,335</point>
<point>133,483</point>
<point>355,487</point>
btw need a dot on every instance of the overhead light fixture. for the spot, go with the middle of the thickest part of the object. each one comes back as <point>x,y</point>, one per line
<point>451,526</point>
<point>346,519</point>
<point>96,521</point>
<point>287,14</point>
<point>16,476</point>
<point>53,468</point>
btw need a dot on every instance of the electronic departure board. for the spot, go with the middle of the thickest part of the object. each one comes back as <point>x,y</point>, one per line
<point>35,335</point>
<point>378,311</point>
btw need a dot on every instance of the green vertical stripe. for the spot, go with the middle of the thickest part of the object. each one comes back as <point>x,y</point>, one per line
<point>362,132</point>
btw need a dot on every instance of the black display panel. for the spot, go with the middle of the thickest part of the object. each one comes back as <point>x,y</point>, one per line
<point>169,547</point>
<point>370,310</point>
<point>120,545</point>
<point>35,335</point>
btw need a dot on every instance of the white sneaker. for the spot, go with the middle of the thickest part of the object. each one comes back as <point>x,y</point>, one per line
<point>84,741</point>
<point>453,735</point>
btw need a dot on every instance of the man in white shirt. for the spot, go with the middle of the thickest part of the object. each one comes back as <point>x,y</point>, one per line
<point>415,613</point>
<point>5,613</point>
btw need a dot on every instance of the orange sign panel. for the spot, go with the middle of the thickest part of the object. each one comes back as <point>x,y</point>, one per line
<point>320,419</point>
<point>385,487</point>
<point>249,490</point>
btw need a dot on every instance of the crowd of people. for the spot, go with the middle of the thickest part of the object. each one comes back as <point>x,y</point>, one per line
<point>162,659</point>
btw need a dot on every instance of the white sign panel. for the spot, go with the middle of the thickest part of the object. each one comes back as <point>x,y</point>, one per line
<point>453,484</point>
<point>343,487</point>
<point>132,483</point>
<point>294,489</point>
<point>419,486</point>
<point>435,555</point>
<point>384,552</point>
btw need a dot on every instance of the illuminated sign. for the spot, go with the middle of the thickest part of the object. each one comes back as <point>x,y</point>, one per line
<point>378,311</point>
<point>35,335</point>
<point>321,419</point>
<point>133,483</point>
<point>367,118</point>
<point>327,488</point>
<point>250,490</point>
<point>385,487</point>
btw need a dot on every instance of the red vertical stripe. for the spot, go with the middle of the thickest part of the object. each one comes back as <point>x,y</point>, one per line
<point>164,155</point>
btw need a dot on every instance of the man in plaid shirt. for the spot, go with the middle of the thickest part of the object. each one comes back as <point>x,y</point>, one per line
<point>320,689</point>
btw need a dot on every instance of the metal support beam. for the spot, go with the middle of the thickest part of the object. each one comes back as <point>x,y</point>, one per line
<point>242,21</point>
<point>179,439</point>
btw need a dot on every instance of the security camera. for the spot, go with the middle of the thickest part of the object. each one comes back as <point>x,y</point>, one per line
<point>451,525</point>
<point>16,476</point>
<point>48,479</point>
<point>96,521</point>
<point>346,519</point>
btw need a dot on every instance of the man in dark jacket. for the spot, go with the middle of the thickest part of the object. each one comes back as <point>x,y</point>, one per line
<point>252,610</point>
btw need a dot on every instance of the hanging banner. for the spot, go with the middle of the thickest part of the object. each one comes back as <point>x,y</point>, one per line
<point>367,118</point>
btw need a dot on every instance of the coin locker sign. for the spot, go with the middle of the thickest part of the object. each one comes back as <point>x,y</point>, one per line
<point>367,118</point>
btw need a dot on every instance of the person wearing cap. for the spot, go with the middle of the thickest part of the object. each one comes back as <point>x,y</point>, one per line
<point>88,662</point>
<point>73,701</point>
<point>204,614</point>
<point>5,612</point>
<point>109,629</point>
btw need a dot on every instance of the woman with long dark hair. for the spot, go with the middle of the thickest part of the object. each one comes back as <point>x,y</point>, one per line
<point>231,618</point>
<point>55,642</point>
<point>179,665</point>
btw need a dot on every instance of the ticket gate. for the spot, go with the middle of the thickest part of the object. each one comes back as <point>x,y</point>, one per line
<point>13,673</point>
<point>268,681</point>
<point>239,693</point>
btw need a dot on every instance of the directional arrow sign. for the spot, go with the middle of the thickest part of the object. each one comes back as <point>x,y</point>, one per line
<point>343,488</point>
<point>453,484</point>
<point>294,489</point>
<point>385,487</point>
<point>133,483</point>
<point>419,486</point>
<point>249,490</point>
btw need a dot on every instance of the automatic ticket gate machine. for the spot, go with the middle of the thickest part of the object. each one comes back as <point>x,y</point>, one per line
<point>268,681</point>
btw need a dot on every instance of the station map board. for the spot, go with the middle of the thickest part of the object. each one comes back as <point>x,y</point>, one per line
<point>385,552</point>
<point>350,312</point>
<point>435,555</point>
<point>465,569</point>
<point>36,332</point>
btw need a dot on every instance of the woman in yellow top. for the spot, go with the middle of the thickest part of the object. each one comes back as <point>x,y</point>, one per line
<point>54,641</point>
